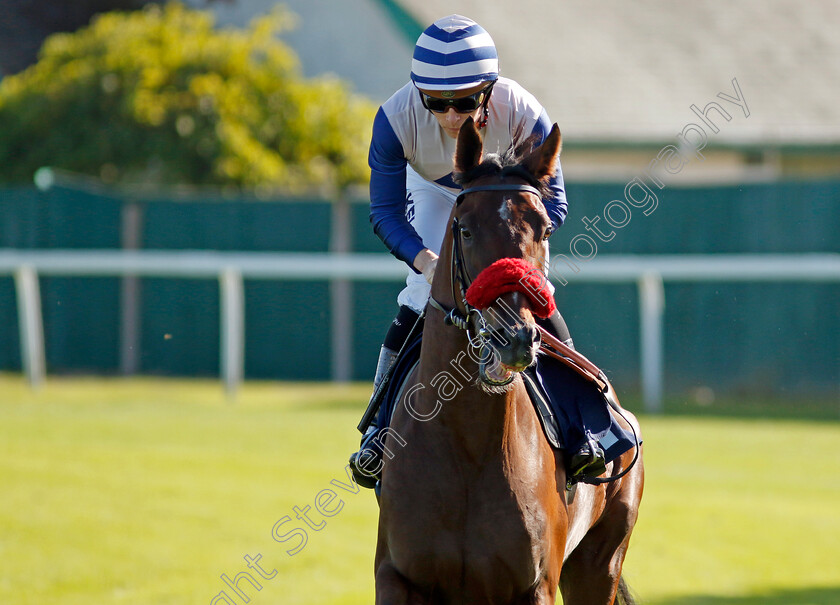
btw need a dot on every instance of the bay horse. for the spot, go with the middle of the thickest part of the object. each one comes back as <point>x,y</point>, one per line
<point>474,505</point>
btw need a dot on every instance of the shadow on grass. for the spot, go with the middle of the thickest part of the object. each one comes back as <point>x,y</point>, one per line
<point>802,596</point>
<point>329,397</point>
<point>337,404</point>
<point>752,407</point>
<point>350,400</point>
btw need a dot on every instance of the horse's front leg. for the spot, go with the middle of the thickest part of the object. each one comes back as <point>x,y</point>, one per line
<point>592,573</point>
<point>590,578</point>
<point>393,589</point>
<point>545,593</point>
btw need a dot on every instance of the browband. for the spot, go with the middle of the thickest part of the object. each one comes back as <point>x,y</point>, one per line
<point>500,187</point>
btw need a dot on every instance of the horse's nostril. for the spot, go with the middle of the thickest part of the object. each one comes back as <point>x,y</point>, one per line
<point>515,344</point>
<point>496,337</point>
<point>525,338</point>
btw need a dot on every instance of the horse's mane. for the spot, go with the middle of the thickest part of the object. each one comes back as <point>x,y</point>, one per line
<point>505,164</point>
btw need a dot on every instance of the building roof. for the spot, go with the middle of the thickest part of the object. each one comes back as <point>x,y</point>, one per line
<point>618,71</point>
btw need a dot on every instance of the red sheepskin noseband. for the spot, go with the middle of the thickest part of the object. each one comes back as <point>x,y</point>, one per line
<point>512,275</point>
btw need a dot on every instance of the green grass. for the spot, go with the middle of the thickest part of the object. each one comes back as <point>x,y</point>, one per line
<point>146,491</point>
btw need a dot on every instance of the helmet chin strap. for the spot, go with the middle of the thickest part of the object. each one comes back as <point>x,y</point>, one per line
<point>485,106</point>
<point>485,115</point>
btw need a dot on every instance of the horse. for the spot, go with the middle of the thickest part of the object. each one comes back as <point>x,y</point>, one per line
<point>474,502</point>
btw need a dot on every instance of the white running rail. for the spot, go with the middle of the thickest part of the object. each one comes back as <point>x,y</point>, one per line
<point>231,268</point>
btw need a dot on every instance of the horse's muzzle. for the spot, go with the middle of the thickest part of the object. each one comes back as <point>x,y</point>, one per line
<point>515,347</point>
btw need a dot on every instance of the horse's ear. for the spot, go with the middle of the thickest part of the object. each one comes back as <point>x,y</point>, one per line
<point>468,147</point>
<point>542,161</point>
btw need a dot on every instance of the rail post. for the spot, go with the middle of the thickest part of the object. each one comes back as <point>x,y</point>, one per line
<point>232,328</point>
<point>130,290</point>
<point>651,312</point>
<point>341,295</point>
<point>31,325</point>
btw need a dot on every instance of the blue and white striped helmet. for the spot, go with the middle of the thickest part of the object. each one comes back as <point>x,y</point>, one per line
<point>452,54</point>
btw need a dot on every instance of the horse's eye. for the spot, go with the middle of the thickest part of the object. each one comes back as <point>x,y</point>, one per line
<point>465,233</point>
<point>547,234</point>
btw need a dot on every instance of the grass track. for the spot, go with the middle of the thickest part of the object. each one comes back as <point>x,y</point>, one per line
<point>146,491</point>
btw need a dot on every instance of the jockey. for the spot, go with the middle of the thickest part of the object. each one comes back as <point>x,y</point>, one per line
<point>454,75</point>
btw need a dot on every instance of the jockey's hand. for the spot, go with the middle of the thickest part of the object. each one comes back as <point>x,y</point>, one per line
<point>425,262</point>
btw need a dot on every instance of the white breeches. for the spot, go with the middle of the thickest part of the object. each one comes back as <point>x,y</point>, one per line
<point>428,207</point>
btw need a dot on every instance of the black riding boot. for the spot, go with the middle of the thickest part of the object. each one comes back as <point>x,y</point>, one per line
<point>366,464</point>
<point>585,458</point>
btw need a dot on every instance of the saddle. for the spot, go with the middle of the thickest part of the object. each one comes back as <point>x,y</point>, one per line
<point>565,380</point>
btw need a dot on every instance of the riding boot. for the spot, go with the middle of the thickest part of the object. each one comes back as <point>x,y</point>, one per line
<point>588,459</point>
<point>366,463</point>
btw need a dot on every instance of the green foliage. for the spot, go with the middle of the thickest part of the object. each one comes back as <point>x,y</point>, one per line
<point>159,96</point>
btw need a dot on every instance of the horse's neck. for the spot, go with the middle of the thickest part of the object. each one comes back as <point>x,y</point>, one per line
<point>472,418</point>
<point>476,417</point>
<point>445,350</point>
<point>448,345</point>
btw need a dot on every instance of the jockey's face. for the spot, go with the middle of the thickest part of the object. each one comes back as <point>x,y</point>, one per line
<point>450,120</point>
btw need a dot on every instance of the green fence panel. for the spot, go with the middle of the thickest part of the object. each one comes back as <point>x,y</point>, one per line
<point>81,324</point>
<point>760,338</point>
<point>364,240</point>
<point>289,226</point>
<point>22,218</point>
<point>9,333</point>
<point>80,315</point>
<point>603,320</point>
<point>729,337</point>
<point>179,331</point>
<point>287,330</point>
<point>375,306</point>
<point>756,218</point>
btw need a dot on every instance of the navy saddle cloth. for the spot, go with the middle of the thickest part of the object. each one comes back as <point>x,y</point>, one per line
<point>571,409</point>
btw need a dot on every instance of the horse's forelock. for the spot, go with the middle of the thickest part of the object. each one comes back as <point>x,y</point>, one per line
<point>490,166</point>
<point>505,164</point>
<point>542,186</point>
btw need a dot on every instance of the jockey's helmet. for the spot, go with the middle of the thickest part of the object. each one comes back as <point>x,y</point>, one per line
<point>454,53</point>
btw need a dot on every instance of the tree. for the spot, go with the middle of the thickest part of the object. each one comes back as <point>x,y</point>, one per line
<point>159,96</point>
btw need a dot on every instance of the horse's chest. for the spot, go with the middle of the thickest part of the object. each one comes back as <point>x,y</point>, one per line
<point>473,529</point>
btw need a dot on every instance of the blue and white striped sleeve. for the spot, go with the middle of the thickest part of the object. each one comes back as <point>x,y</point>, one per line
<point>387,192</point>
<point>557,206</point>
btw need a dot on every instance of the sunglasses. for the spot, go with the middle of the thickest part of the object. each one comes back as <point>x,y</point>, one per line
<point>461,105</point>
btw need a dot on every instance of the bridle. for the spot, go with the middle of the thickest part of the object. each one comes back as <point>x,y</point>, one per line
<point>458,270</point>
